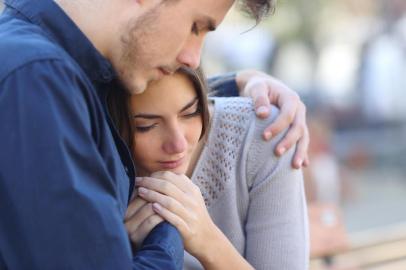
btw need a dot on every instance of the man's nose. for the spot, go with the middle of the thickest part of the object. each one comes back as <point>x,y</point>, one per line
<point>175,142</point>
<point>191,52</point>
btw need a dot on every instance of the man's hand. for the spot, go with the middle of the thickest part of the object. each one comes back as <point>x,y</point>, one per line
<point>266,90</point>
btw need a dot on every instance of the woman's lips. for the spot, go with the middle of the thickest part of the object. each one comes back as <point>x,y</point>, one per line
<point>171,164</point>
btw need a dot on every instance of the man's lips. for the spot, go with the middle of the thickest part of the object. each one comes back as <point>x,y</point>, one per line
<point>172,164</point>
<point>166,71</point>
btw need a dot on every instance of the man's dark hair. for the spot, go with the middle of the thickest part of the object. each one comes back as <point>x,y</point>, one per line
<point>258,9</point>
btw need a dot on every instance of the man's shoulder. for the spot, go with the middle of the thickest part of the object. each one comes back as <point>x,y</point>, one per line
<point>22,43</point>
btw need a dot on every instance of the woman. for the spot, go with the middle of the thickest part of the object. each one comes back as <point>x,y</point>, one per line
<point>204,167</point>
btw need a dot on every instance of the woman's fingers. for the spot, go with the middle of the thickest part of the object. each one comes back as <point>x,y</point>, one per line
<point>134,207</point>
<point>168,183</point>
<point>146,226</point>
<point>188,214</point>
<point>181,181</point>
<point>168,202</point>
<point>135,221</point>
<point>160,186</point>
<point>172,218</point>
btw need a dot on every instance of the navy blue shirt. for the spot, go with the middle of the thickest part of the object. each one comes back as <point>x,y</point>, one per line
<point>63,187</point>
<point>65,173</point>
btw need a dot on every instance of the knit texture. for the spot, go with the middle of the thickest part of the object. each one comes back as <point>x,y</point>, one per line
<point>254,197</point>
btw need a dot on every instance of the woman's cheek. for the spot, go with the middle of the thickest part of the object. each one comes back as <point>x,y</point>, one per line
<point>143,154</point>
<point>195,131</point>
<point>142,147</point>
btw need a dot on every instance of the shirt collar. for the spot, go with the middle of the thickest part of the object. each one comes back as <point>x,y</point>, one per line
<point>57,24</point>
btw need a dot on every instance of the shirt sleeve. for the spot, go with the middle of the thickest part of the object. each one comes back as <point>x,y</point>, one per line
<point>276,226</point>
<point>59,204</point>
<point>223,85</point>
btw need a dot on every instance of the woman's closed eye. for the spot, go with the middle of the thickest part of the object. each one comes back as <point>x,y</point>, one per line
<point>144,128</point>
<point>197,112</point>
<point>192,111</point>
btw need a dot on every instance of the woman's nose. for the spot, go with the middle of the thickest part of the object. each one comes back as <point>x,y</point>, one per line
<point>175,143</point>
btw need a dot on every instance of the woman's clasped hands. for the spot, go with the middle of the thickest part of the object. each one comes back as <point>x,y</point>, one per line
<point>176,199</point>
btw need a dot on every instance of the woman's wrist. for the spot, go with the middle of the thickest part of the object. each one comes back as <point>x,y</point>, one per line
<point>208,253</point>
<point>219,253</point>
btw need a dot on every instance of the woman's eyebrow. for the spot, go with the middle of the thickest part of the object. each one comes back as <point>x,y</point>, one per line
<point>146,116</point>
<point>190,104</point>
<point>155,116</point>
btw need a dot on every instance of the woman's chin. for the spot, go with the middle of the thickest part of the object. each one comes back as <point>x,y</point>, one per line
<point>178,171</point>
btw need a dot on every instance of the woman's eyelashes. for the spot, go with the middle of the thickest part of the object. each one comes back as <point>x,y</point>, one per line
<point>144,128</point>
<point>197,112</point>
<point>193,111</point>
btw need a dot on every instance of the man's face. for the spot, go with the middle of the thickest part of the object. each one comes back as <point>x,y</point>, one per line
<point>163,38</point>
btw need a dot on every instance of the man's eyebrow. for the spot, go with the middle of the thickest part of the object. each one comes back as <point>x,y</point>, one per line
<point>190,104</point>
<point>210,23</point>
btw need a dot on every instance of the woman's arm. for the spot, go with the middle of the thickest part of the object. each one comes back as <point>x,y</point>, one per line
<point>276,227</point>
<point>178,200</point>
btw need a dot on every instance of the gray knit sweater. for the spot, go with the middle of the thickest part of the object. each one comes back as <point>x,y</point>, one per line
<point>254,197</point>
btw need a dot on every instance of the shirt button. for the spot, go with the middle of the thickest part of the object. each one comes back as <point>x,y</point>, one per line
<point>126,169</point>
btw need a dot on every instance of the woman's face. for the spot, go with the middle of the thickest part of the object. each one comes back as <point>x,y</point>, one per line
<point>167,125</point>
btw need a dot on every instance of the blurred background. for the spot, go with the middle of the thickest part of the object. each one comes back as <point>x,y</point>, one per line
<point>347,61</point>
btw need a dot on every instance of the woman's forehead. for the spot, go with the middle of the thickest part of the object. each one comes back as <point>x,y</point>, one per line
<point>173,91</point>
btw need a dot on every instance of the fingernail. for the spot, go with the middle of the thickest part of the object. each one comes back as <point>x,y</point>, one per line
<point>157,206</point>
<point>142,191</point>
<point>281,150</point>
<point>262,110</point>
<point>299,163</point>
<point>267,135</point>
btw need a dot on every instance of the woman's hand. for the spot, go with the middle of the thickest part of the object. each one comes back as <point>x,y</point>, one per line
<point>179,201</point>
<point>139,220</point>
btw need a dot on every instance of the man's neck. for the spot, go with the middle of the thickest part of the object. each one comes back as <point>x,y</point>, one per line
<point>88,21</point>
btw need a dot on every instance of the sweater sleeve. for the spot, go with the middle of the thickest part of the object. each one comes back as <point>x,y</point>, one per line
<point>276,226</point>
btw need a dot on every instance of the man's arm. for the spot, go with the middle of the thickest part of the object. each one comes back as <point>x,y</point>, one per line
<point>60,205</point>
<point>266,90</point>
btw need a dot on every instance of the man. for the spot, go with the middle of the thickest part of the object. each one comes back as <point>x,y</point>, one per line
<point>63,186</point>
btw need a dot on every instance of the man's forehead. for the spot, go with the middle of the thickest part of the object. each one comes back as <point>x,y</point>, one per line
<point>209,9</point>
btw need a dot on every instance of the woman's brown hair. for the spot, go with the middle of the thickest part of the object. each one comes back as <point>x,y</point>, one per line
<point>118,101</point>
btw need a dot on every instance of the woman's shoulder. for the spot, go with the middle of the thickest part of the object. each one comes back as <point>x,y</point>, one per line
<point>234,143</point>
<point>258,154</point>
<point>230,108</point>
<point>240,111</point>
